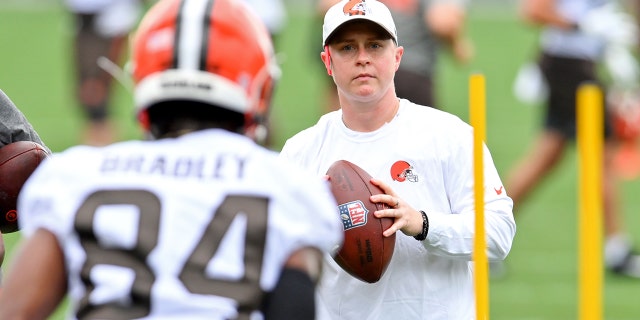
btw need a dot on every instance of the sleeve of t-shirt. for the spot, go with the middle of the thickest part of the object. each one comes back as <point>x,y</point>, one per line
<point>452,235</point>
<point>14,126</point>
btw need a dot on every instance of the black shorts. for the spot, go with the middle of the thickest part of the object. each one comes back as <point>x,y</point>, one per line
<point>94,83</point>
<point>564,76</point>
<point>414,87</point>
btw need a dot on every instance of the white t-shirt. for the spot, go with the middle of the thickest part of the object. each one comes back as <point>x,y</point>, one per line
<point>197,224</point>
<point>426,156</point>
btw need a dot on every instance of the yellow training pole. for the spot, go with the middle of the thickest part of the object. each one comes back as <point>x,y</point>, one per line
<point>590,135</point>
<point>477,110</point>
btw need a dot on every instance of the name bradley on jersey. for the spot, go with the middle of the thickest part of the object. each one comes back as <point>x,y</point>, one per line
<point>220,166</point>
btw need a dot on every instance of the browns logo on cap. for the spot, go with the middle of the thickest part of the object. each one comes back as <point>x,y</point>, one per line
<point>348,10</point>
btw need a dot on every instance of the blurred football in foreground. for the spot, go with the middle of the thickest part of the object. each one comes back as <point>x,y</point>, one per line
<point>18,160</point>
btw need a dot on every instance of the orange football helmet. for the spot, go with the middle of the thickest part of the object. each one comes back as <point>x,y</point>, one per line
<point>215,52</point>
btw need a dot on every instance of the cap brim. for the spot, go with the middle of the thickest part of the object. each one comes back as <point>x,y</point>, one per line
<point>382,28</point>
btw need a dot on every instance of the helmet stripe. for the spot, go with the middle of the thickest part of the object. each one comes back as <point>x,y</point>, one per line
<point>205,37</point>
<point>190,34</point>
<point>174,63</point>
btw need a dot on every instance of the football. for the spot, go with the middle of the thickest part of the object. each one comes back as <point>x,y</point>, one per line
<point>365,252</point>
<point>18,160</point>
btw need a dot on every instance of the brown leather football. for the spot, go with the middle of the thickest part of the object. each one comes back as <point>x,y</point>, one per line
<point>18,160</point>
<point>365,252</point>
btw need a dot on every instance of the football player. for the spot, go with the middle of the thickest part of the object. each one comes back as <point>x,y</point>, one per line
<point>576,37</point>
<point>200,223</point>
<point>101,28</point>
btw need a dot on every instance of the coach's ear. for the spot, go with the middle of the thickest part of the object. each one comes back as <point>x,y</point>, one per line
<point>1,254</point>
<point>326,59</point>
<point>399,53</point>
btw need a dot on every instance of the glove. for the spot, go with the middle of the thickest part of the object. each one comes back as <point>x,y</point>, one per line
<point>611,24</point>
<point>622,66</point>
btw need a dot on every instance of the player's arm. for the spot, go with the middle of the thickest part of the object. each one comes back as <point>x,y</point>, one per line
<point>294,294</point>
<point>446,19</point>
<point>36,281</point>
<point>544,12</point>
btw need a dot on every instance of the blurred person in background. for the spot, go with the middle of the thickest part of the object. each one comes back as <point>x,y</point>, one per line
<point>624,97</point>
<point>198,222</point>
<point>101,31</point>
<point>329,95</point>
<point>426,28</point>
<point>575,37</point>
<point>273,14</point>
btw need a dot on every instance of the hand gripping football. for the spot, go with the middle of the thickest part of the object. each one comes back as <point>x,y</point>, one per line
<point>365,252</point>
<point>18,160</point>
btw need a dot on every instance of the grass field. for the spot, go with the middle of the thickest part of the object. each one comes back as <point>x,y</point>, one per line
<point>541,283</point>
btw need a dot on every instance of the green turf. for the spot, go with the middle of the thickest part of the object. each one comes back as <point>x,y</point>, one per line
<point>541,283</point>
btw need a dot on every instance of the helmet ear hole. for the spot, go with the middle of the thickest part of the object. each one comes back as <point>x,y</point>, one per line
<point>143,119</point>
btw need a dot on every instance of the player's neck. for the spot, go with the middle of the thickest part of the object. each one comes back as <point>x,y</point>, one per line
<point>370,116</point>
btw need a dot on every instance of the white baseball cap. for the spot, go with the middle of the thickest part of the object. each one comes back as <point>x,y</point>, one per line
<point>345,11</point>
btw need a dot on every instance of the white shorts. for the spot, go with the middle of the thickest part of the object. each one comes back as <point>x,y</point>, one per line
<point>113,17</point>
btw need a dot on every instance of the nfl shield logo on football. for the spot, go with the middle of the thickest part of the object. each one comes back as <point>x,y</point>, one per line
<point>353,214</point>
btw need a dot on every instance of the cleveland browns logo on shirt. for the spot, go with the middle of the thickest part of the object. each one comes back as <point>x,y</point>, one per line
<point>403,171</point>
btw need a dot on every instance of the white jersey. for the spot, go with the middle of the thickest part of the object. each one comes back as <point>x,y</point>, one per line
<point>426,156</point>
<point>196,227</point>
